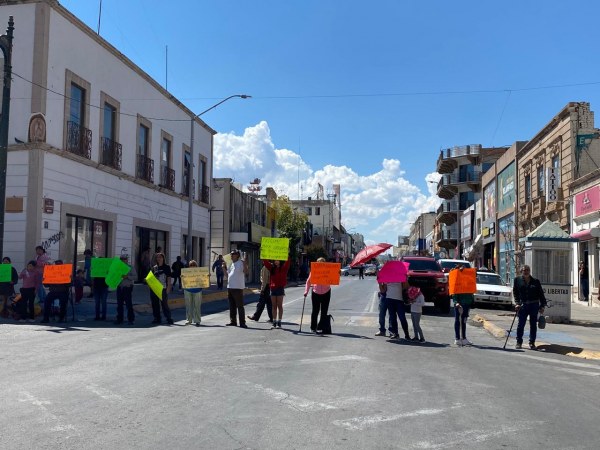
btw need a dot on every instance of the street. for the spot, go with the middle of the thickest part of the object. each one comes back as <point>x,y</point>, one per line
<point>90,386</point>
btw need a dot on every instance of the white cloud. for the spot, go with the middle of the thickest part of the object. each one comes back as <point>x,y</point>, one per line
<point>380,205</point>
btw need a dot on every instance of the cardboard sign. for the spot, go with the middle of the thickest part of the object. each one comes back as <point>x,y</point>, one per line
<point>195,277</point>
<point>57,274</point>
<point>393,272</point>
<point>154,284</point>
<point>118,269</point>
<point>274,248</point>
<point>100,267</point>
<point>5,273</point>
<point>462,281</point>
<point>228,261</point>
<point>325,273</point>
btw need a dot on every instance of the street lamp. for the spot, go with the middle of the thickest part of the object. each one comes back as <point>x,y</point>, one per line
<point>188,250</point>
<point>6,46</point>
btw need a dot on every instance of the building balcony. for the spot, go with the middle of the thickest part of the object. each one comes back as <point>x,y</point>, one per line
<point>111,153</point>
<point>447,238</point>
<point>205,194</point>
<point>538,205</point>
<point>145,168</point>
<point>449,159</point>
<point>449,185</point>
<point>447,212</point>
<point>556,206</point>
<point>79,140</point>
<point>167,178</point>
<point>525,212</point>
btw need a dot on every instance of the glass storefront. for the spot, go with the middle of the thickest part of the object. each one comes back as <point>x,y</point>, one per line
<point>147,241</point>
<point>84,233</point>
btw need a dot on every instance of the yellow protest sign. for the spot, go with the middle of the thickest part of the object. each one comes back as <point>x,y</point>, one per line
<point>57,274</point>
<point>325,273</point>
<point>462,281</point>
<point>195,277</point>
<point>274,248</point>
<point>154,284</point>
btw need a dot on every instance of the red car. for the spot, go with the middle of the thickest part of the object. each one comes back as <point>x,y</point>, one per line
<point>427,274</point>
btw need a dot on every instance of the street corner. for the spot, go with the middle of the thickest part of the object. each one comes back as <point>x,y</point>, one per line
<point>495,330</point>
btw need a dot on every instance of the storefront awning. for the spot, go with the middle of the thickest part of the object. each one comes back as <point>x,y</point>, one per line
<point>584,235</point>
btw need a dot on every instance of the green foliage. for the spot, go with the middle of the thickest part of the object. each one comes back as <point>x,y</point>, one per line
<point>314,252</point>
<point>290,224</point>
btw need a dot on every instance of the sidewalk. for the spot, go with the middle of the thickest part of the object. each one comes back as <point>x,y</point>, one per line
<point>580,338</point>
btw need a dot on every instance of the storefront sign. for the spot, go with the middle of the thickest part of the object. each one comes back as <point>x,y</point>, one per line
<point>587,202</point>
<point>506,188</point>
<point>553,184</point>
<point>485,231</point>
<point>559,302</point>
<point>48,206</point>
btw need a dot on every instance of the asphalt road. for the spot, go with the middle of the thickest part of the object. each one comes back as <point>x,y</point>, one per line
<point>217,387</point>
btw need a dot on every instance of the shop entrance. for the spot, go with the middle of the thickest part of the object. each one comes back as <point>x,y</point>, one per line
<point>147,241</point>
<point>84,233</point>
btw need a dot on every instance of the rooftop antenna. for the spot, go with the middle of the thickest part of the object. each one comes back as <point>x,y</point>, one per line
<point>166,67</point>
<point>99,17</point>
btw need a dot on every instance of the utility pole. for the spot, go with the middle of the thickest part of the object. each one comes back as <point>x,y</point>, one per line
<point>6,46</point>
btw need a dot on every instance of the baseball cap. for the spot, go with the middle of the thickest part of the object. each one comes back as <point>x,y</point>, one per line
<point>235,252</point>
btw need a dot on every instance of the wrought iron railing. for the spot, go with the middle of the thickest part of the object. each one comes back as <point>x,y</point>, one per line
<point>111,153</point>
<point>145,168</point>
<point>167,178</point>
<point>79,140</point>
<point>205,194</point>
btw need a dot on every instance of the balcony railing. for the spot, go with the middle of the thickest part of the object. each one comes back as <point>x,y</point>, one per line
<point>145,168</point>
<point>462,150</point>
<point>79,140</point>
<point>205,194</point>
<point>111,153</point>
<point>454,178</point>
<point>185,189</point>
<point>167,178</point>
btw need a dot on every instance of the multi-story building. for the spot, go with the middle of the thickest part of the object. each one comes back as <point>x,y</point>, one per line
<point>460,187</point>
<point>419,230</point>
<point>325,217</point>
<point>99,152</point>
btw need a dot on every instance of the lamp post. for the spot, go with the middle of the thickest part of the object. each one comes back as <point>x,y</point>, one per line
<point>188,249</point>
<point>6,46</point>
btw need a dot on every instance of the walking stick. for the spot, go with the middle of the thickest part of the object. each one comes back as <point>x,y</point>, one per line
<point>511,327</point>
<point>302,316</point>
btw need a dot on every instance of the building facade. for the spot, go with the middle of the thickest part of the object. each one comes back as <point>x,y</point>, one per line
<point>99,152</point>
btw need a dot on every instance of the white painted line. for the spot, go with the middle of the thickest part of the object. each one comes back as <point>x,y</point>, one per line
<point>374,303</point>
<point>579,372</point>
<point>48,417</point>
<point>292,401</point>
<point>558,361</point>
<point>360,423</point>
<point>333,359</point>
<point>103,393</point>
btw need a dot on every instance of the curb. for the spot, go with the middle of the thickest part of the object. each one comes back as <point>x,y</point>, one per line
<point>576,352</point>
<point>179,302</point>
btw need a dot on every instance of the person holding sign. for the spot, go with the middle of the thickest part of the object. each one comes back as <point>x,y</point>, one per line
<point>236,283</point>
<point>193,301</point>
<point>463,301</point>
<point>279,270</point>
<point>124,294</point>
<point>265,296</point>
<point>99,270</point>
<point>60,291</point>
<point>320,297</point>
<point>162,272</point>
<point>7,284</point>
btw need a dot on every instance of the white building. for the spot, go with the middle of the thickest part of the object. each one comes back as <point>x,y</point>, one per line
<point>98,151</point>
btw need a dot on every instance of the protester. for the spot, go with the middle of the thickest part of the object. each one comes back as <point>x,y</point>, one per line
<point>125,293</point>
<point>530,300</point>
<point>7,288</point>
<point>145,262</point>
<point>218,268</point>
<point>321,296</point>
<point>584,282</point>
<point>236,283</point>
<point>176,271</point>
<point>193,302</point>
<point>383,308</point>
<point>278,281</point>
<point>361,272</point>
<point>100,289</point>
<point>87,268</point>
<point>41,259</point>
<point>31,282</point>
<point>78,284</point>
<point>462,306</point>
<point>265,296</point>
<point>397,306</point>
<point>162,272</point>
<point>60,292</point>
<point>417,300</point>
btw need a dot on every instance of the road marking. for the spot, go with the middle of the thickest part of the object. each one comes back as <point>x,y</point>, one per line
<point>59,426</point>
<point>371,305</point>
<point>360,423</point>
<point>103,393</point>
<point>333,359</point>
<point>292,401</point>
<point>558,361</point>
<point>579,372</point>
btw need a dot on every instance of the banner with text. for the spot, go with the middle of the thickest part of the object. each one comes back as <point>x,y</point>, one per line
<point>57,274</point>
<point>100,267</point>
<point>117,270</point>
<point>462,281</point>
<point>195,277</point>
<point>325,273</point>
<point>274,248</point>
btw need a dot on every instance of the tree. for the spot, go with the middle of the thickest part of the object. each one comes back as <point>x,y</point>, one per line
<point>314,252</point>
<point>290,224</point>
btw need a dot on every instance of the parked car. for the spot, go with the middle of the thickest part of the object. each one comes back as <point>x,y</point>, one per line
<point>345,271</point>
<point>426,273</point>
<point>492,290</point>
<point>448,264</point>
<point>370,270</point>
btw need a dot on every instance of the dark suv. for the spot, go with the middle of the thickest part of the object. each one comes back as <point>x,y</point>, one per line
<point>426,274</point>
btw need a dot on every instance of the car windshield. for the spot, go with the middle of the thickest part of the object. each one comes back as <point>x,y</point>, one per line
<point>449,265</point>
<point>423,264</point>
<point>489,278</point>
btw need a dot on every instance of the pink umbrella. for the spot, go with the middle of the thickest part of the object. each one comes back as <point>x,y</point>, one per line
<point>368,253</point>
<point>393,272</point>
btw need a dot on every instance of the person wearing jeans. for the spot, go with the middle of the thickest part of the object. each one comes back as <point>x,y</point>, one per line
<point>162,272</point>
<point>383,308</point>
<point>416,299</point>
<point>462,306</point>
<point>396,306</point>
<point>30,278</point>
<point>236,283</point>
<point>100,297</point>
<point>530,300</point>
<point>124,294</point>
<point>265,296</point>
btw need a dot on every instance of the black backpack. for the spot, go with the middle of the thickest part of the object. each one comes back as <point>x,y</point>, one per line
<point>325,325</point>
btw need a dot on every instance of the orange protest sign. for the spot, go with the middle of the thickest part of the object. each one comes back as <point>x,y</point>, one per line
<point>462,281</point>
<point>57,274</point>
<point>325,273</point>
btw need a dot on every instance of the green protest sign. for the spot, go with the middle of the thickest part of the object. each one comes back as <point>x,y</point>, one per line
<point>5,273</point>
<point>100,267</point>
<point>274,248</point>
<point>115,274</point>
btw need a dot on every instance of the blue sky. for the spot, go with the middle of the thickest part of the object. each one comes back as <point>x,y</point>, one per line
<point>361,94</point>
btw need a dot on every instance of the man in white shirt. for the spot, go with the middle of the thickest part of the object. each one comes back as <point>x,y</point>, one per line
<point>236,283</point>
